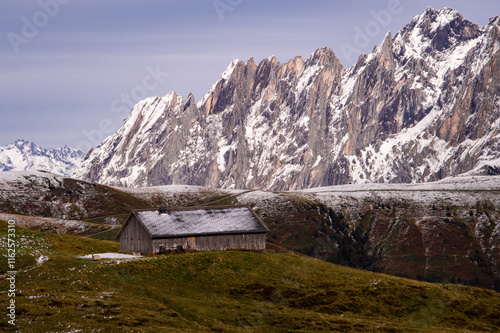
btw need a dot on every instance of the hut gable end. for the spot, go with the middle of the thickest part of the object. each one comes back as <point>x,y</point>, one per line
<point>134,237</point>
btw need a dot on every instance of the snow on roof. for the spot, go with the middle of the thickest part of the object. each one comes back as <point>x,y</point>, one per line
<point>181,222</point>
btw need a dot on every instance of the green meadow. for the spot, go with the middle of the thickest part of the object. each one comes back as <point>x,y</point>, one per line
<point>57,291</point>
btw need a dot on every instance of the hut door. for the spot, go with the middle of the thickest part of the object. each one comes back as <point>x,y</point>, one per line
<point>191,242</point>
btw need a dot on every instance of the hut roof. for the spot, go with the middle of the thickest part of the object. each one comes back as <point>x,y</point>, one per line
<point>196,221</point>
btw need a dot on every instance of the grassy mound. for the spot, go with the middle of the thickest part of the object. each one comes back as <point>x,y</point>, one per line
<point>226,292</point>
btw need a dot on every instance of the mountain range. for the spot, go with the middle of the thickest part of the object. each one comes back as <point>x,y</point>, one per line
<point>24,155</point>
<point>411,131</point>
<point>422,106</point>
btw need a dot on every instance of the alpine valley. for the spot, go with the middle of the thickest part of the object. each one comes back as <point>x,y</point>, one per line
<point>423,106</point>
<point>390,166</point>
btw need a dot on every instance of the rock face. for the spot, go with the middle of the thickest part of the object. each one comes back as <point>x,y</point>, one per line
<point>25,155</point>
<point>422,106</point>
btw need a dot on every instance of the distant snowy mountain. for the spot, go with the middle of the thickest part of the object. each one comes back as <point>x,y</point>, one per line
<point>26,155</point>
<point>424,105</point>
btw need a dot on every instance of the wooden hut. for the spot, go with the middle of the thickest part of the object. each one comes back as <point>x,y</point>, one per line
<point>195,228</point>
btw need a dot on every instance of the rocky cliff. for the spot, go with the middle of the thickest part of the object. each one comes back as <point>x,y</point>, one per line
<point>422,106</point>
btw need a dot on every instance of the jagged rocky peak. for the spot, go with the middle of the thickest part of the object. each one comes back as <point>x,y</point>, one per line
<point>386,46</point>
<point>409,111</point>
<point>295,65</point>
<point>209,102</point>
<point>381,55</point>
<point>443,28</point>
<point>495,20</point>
<point>324,57</point>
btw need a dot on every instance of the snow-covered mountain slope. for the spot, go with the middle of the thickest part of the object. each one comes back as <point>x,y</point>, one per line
<point>422,106</point>
<point>25,155</point>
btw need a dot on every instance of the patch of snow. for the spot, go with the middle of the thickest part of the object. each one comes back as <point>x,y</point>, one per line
<point>304,121</point>
<point>306,78</point>
<point>316,163</point>
<point>252,196</point>
<point>444,17</point>
<point>110,255</point>
<point>223,149</point>
<point>41,259</point>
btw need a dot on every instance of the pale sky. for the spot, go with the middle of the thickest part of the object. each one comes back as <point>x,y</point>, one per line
<point>71,70</point>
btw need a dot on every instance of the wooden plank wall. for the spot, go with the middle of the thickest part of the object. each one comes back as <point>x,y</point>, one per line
<point>213,243</point>
<point>231,242</point>
<point>134,238</point>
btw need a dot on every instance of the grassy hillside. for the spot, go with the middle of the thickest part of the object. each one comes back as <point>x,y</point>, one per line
<point>225,292</point>
<point>446,231</point>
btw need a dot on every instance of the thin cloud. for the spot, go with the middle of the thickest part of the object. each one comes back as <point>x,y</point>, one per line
<point>91,52</point>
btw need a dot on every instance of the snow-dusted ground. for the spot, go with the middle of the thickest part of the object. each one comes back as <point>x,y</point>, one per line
<point>256,195</point>
<point>467,183</point>
<point>458,191</point>
<point>175,189</point>
<point>164,189</point>
<point>465,189</point>
<point>59,226</point>
<point>12,179</point>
